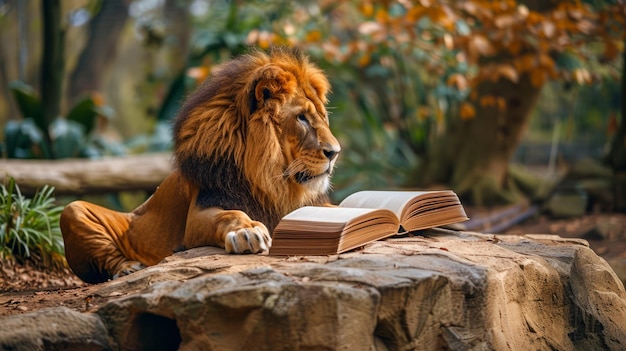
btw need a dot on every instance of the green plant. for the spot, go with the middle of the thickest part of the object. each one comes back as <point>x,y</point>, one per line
<point>74,135</point>
<point>29,228</point>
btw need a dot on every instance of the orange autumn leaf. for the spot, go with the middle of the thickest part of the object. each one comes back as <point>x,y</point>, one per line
<point>537,78</point>
<point>507,71</point>
<point>422,113</point>
<point>364,60</point>
<point>581,76</point>
<point>448,41</point>
<point>525,63</point>
<point>613,125</point>
<point>467,111</point>
<point>504,21</point>
<point>548,29</point>
<point>501,103</point>
<point>439,115</point>
<point>382,16</point>
<point>264,40</point>
<point>488,100</point>
<point>367,9</point>
<point>369,27</point>
<point>546,61</point>
<point>515,47</point>
<point>313,36</point>
<point>481,45</point>
<point>199,74</point>
<point>415,13</point>
<point>443,16</point>
<point>458,80</point>
<point>469,7</point>
<point>523,11</point>
<point>611,51</point>
<point>97,99</point>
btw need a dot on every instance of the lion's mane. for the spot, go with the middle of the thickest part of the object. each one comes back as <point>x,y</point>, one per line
<point>226,140</point>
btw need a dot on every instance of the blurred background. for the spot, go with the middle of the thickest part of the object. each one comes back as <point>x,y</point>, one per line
<point>498,100</point>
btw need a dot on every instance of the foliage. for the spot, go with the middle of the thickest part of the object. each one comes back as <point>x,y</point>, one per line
<point>374,154</point>
<point>550,40</point>
<point>29,228</point>
<point>402,71</point>
<point>71,136</point>
<point>414,67</point>
<point>587,114</point>
<point>218,38</point>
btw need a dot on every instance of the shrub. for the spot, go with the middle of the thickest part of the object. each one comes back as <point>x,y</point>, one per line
<point>29,228</point>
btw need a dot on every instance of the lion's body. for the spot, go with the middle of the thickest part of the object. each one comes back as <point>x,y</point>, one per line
<point>251,145</point>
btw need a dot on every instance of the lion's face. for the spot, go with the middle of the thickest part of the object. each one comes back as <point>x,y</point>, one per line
<point>308,146</point>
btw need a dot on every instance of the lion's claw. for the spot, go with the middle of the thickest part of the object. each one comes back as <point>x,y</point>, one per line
<point>248,240</point>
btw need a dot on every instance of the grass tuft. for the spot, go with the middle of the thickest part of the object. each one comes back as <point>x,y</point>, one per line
<point>29,228</point>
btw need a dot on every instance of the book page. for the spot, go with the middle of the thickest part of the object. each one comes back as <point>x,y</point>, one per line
<point>392,200</point>
<point>442,216</point>
<point>326,214</point>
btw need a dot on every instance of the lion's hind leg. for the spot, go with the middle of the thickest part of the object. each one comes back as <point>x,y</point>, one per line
<point>96,245</point>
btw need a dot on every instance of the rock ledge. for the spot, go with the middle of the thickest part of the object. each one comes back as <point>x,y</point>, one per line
<point>442,290</point>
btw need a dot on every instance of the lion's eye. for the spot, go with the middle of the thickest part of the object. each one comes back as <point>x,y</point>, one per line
<point>302,118</point>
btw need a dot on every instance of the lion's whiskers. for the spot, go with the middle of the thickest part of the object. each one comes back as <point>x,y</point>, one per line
<point>294,167</point>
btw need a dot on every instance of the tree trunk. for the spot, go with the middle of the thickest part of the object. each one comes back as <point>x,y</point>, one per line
<point>473,155</point>
<point>178,20</point>
<point>52,64</point>
<point>617,154</point>
<point>104,31</point>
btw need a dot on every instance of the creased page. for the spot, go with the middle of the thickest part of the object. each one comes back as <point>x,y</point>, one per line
<point>392,200</point>
<point>325,214</point>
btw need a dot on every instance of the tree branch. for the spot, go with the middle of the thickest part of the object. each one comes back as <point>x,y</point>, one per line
<point>84,176</point>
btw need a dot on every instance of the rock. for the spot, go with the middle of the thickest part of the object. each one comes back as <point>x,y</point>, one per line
<point>589,185</point>
<point>443,290</point>
<point>567,202</point>
<point>590,168</point>
<point>54,328</point>
<point>605,230</point>
<point>619,266</point>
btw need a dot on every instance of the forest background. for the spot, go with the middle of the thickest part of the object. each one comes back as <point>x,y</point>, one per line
<point>474,95</point>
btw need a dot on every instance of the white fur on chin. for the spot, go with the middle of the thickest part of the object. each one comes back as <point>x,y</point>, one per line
<point>318,185</point>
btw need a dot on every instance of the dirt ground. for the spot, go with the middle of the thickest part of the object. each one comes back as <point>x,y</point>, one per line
<point>24,288</point>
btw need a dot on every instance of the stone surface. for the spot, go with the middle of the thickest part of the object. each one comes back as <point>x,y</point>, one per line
<point>53,329</point>
<point>440,290</point>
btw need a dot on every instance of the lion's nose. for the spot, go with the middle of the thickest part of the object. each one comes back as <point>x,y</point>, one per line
<point>331,151</point>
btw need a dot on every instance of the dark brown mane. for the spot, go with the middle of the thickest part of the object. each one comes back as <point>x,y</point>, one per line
<point>208,89</point>
<point>224,77</point>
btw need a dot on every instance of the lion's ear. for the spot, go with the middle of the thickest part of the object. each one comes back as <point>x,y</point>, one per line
<point>271,84</point>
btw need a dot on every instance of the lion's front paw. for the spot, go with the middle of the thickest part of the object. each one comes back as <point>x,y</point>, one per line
<point>248,240</point>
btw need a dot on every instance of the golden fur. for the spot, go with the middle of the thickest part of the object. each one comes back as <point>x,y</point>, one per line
<point>252,144</point>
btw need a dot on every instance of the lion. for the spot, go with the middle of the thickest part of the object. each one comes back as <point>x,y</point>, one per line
<point>251,144</point>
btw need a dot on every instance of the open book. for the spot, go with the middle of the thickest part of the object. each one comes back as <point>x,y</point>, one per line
<point>361,218</point>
